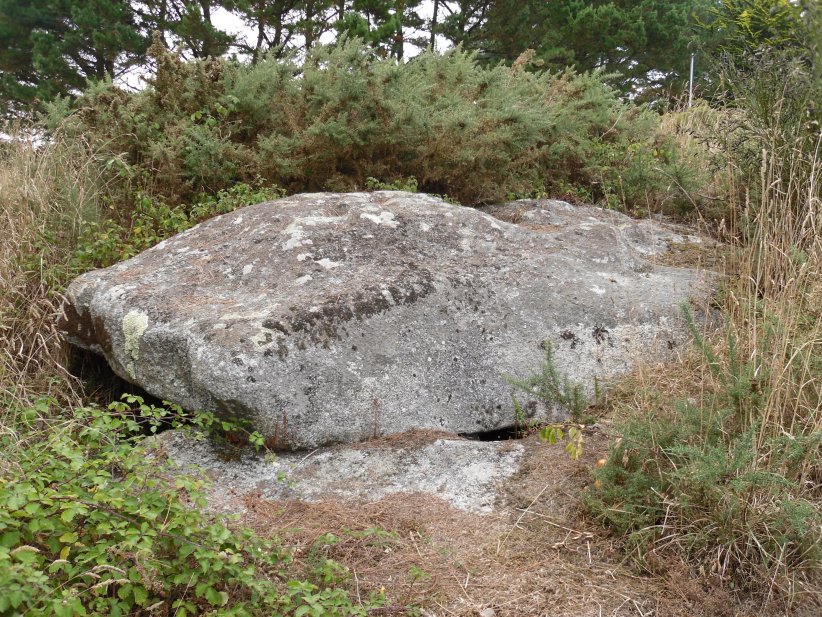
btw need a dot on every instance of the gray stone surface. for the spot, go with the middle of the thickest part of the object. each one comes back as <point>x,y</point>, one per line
<point>466,474</point>
<point>336,317</point>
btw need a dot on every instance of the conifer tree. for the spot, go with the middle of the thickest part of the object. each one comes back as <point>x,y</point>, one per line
<point>460,21</point>
<point>383,24</point>
<point>274,23</point>
<point>52,47</point>
<point>645,41</point>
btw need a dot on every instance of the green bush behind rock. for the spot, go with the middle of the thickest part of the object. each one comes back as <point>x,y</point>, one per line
<point>342,115</point>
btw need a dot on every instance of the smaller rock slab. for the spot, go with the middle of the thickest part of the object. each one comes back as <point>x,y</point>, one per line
<point>466,474</point>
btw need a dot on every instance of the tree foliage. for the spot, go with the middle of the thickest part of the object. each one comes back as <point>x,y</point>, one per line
<point>50,48</point>
<point>744,26</point>
<point>643,43</point>
<point>381,23</point>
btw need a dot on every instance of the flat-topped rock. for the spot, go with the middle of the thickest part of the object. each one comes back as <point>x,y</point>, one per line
<point>328,318</point>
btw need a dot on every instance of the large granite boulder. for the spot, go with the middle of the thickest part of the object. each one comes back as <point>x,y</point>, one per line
<point>336,317</point>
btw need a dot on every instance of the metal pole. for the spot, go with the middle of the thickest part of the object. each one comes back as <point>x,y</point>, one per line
<point>691,83</point>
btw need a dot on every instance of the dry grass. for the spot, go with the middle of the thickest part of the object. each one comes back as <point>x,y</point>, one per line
<point>760,376</point>
<point>781,268</point>
<point>45,192</point>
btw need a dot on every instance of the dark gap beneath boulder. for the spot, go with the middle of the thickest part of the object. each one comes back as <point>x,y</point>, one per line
<point>505,433</point>
<point>103,386</point>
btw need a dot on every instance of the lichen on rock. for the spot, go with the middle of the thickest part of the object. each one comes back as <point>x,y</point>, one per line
<point>135,324</point>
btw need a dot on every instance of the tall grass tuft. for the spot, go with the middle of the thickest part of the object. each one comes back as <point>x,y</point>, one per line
<point>46,191</point>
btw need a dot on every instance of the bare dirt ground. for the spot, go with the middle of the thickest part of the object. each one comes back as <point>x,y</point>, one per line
<point>535,555</point>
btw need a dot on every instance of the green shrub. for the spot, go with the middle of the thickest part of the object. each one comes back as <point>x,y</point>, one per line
<point>344,115</point>
<point>717,478</point>
<point>91,524</point>
<point>553,389</point>
<point>557,393</point>
<point>720,457</point>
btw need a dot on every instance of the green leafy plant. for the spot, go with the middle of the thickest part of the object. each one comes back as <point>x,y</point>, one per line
<point>145,418</point>
<point>108,240</point>
<point>403,184</point>
<point>90,524</point>
<point>553,433</point>
<point>553,390</point>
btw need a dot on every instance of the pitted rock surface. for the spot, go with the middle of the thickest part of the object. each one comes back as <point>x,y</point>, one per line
<point>329,318</point>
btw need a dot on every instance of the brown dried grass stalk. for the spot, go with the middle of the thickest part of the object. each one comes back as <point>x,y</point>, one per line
<point>759,376</point>
<point>779,281</point>
<point>46,190</point>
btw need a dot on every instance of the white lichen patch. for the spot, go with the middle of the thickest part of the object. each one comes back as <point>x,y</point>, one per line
<point>237,315</point>
<point>304,279</point>
<point>383,218</point>
<point>492,221</point>
<point>387,295</point>
<point>247,269</point>
<point>425,226</point>
<point>598,290</point>
<point>135,324</point>
<point>327,263</point>
<point>297,238</point>
<point>303,256</point>
<point>262,339</point>
<point>298,234</point>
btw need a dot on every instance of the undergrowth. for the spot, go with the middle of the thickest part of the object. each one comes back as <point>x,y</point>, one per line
<point>107,240</point>
<point>89,524</point>
<point>720,457</point>
<point>557,393</point>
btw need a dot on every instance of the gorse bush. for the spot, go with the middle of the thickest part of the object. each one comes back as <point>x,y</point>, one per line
<point>344,115</point>
<point>554,390</point>
<point>706,475</point>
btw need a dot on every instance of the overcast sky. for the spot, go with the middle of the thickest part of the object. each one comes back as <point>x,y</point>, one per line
<point>233,25</point>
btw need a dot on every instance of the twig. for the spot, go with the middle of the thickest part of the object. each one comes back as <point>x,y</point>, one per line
<point>524,512</point>
<point>584,534</point>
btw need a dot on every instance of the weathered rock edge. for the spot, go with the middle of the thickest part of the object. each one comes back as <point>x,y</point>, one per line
<point>329,318</point>
<point>465,474</point>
